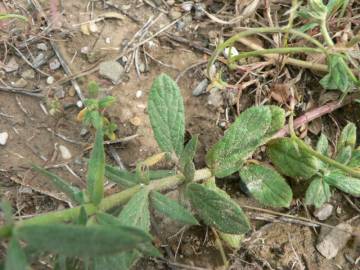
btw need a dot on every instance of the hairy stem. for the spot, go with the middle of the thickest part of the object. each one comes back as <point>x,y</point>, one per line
<point>325,33</point>
<point>107,203</point>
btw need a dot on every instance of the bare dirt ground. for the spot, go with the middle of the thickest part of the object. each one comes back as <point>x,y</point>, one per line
<point>37,137</point>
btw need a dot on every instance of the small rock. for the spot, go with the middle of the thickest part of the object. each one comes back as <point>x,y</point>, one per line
<point>324,212</point>
<point>136,121</point>
<point>174,14</point>
<point>59,93</point>
<point>93,27</point>
<point>39,60</point>
<point>25,190</point>
<point>12,65</point>
<point>111,70</point>
<point>72,92</point>
<point>20,83</point>
<point>107,40</point>
<point>79,104</point>
<point>3,138</point>
<point>335,240</point>
<point>65,152</point>
<point>50,80</point>
<point>84,132</point>
<point>139,94</point>
<point>230,51</point>
<point>54,64</point>
<point>215,98</point>
<point>187,6</point>
<point>200,88</point>
<point>85,50</point>
<point>28,74</point>
<point>199,10</point>
<point>42,47</point>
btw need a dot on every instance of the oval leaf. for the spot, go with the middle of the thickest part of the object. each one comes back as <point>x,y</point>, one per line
<point>166,112</point>
<point>239,141</point>
<point>317,193</point>
<point>291,160</point>
<point>217,210</point>
<point>343,182</point>
<point>96,169</point>
<point>347,137</point>
<point>77,240</point>
<point>171,208</point>
<point>266,185</point>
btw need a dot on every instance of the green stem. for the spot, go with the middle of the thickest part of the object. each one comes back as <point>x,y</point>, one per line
<point>107,203</point>
<point>325,159</point>
<point>274,51</point>
<point>259,30</point>
<point>325,33</point>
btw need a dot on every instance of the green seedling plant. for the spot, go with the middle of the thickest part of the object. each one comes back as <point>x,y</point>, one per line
<point>114,232</point>
<point>339,75</point>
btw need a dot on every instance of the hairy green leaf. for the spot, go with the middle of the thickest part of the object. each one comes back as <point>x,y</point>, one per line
<point>339,77</point>
<point>171,208</point>
<point>343,182</point>
<point>355,159</point>
<point>186,163</point>
<point>216,210</point>
<point>322,147</point>
<point>347,137</point>
<point>277,120</point>
<point>266,185</point>
<point>317,193</point>
<point>291,160</point>
<point>136,211</point>
<point>93,88</point>
<point>166,112</point>
<point>15,257</point>
<point>239,141</point>
<point>120,177</point>
<point>72,192</point>
<point>83,218</point>
<point>344,155</point>
<point>96,169</point>
<point>77,240</point>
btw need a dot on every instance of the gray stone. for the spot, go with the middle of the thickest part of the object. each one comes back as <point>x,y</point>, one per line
<point>335,240</point>
<point>65,152</point>
<point>20,83</point>
<point>111,70</point>
<point>324,212</point>
<point>50,80</point>
<point>28,74</point>
<point>42,47</point>
<point>54,64</point>
<point>12,65</point>
<point>200,88</point>
<point>215,98</point>
<point>39,60</point>
<point>3,138</point>
<point>59,93</point>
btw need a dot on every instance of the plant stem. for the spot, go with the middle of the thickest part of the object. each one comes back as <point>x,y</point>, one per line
<point>325,33</point>
<point>325,159</point>
<point>107,203</point>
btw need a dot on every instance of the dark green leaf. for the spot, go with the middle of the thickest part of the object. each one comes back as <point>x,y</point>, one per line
<point>171,208</point>
<point>136,211</point>
<point>343,182</point>
<point>239,141</point>
<point>121,177</point>
<point>166,112</point>
<point>344,155</point>
<point>186,163</point>
<point>339,77</point>
<point>72,192</point>
<point>15,257</point>
<point>96,169</point>
<point>347,137</point>
<point>77,240</point>
<point>83,218</point>
<point>217,210</point>
<point>317,193</point>
<point>266,185</point>
<point>291,160</point>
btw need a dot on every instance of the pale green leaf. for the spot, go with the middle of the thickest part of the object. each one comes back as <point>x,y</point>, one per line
<point>166,112</point>
<point>120,177</point>
<point>217,211</point>
<point>187,166</point>
<point>7,212</point>
<point>136,212</point>
<point>291,160</point>
<point>322,147</point>
<point>347,137</point>
<point>240,141</point>
<point>344,155</point>
<point>96,169</point>
<point>15,257</point>
<point>343,182</point>
<point>77,240</point>
<point>355,159</point>
<point>171,208</point>
<point>266,185</point>
<point>72,192</point>
<point>317,193</point>
<point>277,120</point>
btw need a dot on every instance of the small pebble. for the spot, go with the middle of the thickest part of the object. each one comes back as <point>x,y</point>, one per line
<point>50,80</point>
<point>85,50</point>
<point>65,152</point>
<point>84,132</point>
<point>187,6</point>
<point>20,83</point>
<point>3,138</point>
<point>59,93</point>
<point>79,104</point>
<point>93,27</point>
<point>170,2</point>
<point>136,121</point>
<point>215,98</point>
<point>230,51</point>
<point>111,70</point>
<point>107,40</point>
<point>200,88</point>
<point>324,212</point>
<point>11,66</point>
<point>28,74</point>
<point>39,60</point>
<point>25,190</point>
<point>54,64</point>
<point>72,92</point>
<point>42,47</point>
<point>175,14</point>
<point>139,93</point>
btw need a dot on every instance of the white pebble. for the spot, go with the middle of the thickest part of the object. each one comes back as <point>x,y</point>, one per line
<point>3,138</point>
<point>232,51</point>
<point>65,152</point>
<point>50,80</point>
<point>139,94</point>
<point>79,104</point>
